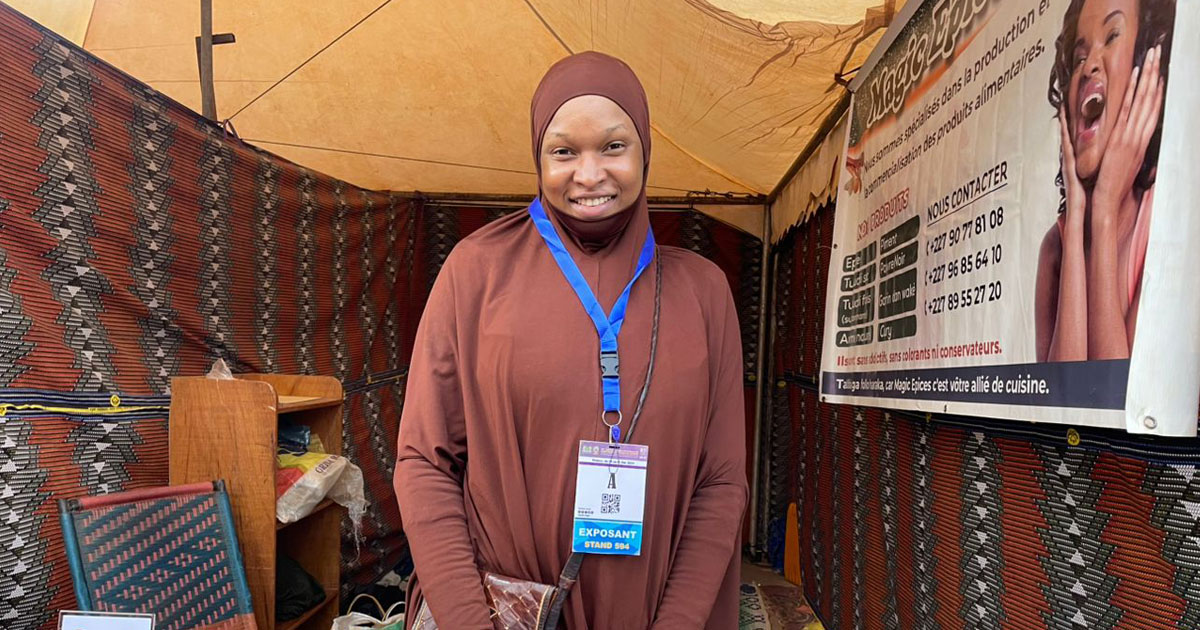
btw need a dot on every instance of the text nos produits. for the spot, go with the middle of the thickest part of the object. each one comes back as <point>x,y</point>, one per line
<point>887,211</point>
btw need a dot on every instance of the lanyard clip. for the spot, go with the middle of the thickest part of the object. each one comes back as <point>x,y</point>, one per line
<point>614,429</point>
<point>610,365</point>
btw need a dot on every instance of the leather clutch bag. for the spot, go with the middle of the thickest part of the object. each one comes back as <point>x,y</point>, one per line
<point>516,605</point>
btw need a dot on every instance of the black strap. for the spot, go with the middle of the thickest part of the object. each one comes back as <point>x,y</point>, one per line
<point>566,581</point>
<point>637,413</point>
<point>570,572</point>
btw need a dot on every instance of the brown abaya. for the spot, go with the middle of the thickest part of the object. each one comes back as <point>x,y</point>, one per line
<point>505,382</point>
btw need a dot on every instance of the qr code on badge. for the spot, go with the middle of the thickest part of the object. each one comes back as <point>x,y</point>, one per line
<point>610,503</point>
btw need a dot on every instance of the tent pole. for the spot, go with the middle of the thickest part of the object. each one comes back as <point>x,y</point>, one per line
<point>760,376</point>
<point>768,403</point>
<point>208,95</point>
<point>682,200</point>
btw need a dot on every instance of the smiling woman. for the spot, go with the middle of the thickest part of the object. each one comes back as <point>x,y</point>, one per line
<point>1108,84</point>
<point>517,370</point>
<point>591,159</point>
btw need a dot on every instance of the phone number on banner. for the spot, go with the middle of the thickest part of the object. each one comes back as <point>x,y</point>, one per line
<point>968,297</point>
<point>965,265</point>
<point>962,232</point>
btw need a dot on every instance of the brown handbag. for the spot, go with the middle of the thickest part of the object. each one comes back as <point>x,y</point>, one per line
<point>518,604</point>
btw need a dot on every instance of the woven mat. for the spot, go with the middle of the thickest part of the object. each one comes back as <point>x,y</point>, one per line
<point>753,612</point>
<point>788,609</point>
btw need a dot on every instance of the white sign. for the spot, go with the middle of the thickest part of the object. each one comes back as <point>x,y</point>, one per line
<point>1015,234</point>
<point>79,620</point>
<point>610,498</point>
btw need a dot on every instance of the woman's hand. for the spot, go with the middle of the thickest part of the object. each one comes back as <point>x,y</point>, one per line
<point>1076,195</point>
<point>1131,134</point>
<point>1062,300</point>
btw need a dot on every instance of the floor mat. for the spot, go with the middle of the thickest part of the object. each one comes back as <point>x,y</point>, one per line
<point>788,609</point>
<point>753,613</point>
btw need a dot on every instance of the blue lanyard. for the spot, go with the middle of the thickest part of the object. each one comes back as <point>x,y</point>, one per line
<point>607,327</point>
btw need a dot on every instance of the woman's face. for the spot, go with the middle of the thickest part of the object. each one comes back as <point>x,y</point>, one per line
<point>1102,63</point>
<point>591,159</point>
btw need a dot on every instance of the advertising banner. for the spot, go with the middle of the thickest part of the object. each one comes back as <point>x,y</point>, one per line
<point>1015,236</point>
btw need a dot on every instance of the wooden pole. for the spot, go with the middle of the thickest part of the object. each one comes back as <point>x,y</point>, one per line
<point>208,97</point>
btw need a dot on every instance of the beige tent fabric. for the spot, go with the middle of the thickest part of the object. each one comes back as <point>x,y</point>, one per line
<point>748,219</point>
<point>68,18</point>
<point>740,96</point>
<point>433,96</point>
<point>814,185</point>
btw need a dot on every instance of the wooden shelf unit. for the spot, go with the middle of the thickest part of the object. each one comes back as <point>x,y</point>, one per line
<point>229,429</point>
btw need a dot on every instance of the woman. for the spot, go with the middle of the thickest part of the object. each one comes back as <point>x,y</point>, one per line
<point>505,383</point>
<point>1108,83</point>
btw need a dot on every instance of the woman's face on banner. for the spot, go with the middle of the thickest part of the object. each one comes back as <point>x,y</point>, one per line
<point>591,159</point>
<point>1102,62</point>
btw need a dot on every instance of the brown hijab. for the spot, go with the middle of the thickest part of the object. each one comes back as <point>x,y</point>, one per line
<point>504,383</point>
<point>593,73</point>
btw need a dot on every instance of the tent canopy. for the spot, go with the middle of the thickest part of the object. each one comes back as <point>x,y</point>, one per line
<point>433,96</point>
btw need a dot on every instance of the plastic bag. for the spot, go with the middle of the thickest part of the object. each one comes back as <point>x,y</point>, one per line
<point>296,592</point>
<point>295,438</point>
<point>320,476</point>
<point>220,371</point>
<point>390,619</point>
